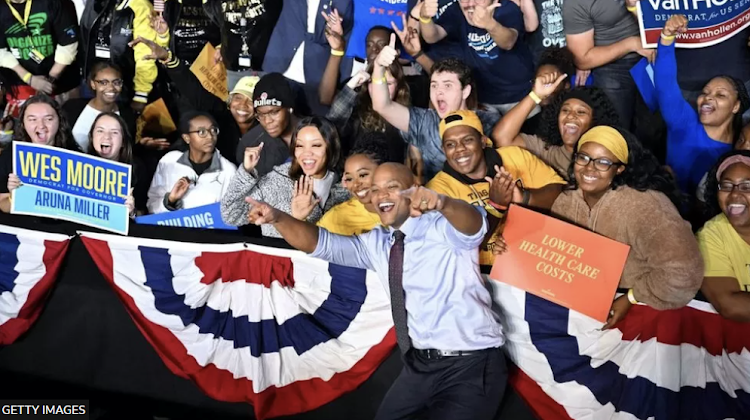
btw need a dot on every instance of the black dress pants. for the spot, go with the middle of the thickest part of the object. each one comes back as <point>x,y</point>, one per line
<point>452,388</point>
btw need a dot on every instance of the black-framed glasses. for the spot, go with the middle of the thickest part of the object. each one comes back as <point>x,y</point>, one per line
<point>204,132</point>
<point>728,187</point>
<point>104,82</point>
<point>601,164</point>
<point>260,116</point>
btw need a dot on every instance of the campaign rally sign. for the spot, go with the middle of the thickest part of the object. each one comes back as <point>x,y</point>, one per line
<point>72,186</point>
<point>710,21</point>
<point>560,262</point>
<point>203,217</point>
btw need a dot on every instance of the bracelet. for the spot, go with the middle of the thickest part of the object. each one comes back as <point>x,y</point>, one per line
<point>27,77</point>
<point>534,97</point>
<point>497,206</point>
<point>631,297</point>
<point>667,37</point>
<point>417,55</point>
<point>380,81</point>
<point>413,17</point>
<point>631,9</point>
<point>337,53</point>
<point>425,20</point>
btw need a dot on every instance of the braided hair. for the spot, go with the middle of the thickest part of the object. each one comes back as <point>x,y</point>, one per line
<point>603,112</point>
<point>374,145</point>
<point>744,98</point>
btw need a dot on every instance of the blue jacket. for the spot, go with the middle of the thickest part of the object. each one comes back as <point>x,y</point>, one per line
<point>291,31</point>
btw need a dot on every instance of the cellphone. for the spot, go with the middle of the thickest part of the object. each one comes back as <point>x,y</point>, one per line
<point>159,6</point>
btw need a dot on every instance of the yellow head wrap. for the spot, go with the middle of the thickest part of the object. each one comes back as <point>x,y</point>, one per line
<point>609,138</point>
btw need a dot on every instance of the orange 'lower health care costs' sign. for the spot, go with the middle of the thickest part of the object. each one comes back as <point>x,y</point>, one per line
<point>560,262</point>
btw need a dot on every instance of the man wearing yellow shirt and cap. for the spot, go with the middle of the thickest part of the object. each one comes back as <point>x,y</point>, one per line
<point>490,178</point>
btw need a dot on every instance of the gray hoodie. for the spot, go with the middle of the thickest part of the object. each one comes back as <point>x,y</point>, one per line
<point>276,189</point>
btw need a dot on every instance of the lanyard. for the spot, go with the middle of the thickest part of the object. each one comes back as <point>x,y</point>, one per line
<point>26,12</point>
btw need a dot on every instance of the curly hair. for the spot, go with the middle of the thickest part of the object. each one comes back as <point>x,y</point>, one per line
<point>744,98</point>
<point>558,57</point>
<point>603,112</point>
<point>374,145</point>
<point>331,137</point>
<point>126,150</point>
<point>371,120</point>
<point>712,184</point>
<point>63,138</point>
<point>642,172</point>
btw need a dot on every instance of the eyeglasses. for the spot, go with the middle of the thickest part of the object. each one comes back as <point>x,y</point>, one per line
<point>260,116</point>
<point>601,164</point>
<point>204,132</point>
<point>104,82</point>
<point>728,187</point>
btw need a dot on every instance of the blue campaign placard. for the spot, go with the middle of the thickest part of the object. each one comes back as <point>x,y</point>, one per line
<point>203,217</point>
<point>61,184</point>
<point>710,21</point>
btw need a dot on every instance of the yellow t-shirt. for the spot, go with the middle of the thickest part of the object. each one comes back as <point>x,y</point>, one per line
<point>532,171</point>
<point>725,253</point>
<point>349,218</point>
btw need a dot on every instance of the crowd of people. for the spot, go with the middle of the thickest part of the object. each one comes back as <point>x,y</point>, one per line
<point>342,121</point>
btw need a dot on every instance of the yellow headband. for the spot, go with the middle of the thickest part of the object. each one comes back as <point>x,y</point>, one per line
<point>609,138</point>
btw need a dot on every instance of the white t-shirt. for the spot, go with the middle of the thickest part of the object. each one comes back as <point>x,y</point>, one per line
<point>83,126</point>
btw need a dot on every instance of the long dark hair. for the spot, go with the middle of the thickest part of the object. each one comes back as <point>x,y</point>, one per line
<point>712,184</point>
<point>642,172</point>
<point>744,98</point>
<point>371,120</point>
<point>63,138</point>
<point>602,112</point>
<point>126,150</point>
<point>331,137</point>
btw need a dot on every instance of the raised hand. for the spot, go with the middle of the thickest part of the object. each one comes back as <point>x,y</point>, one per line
<point>483,16</point>
<point>303,201</point>
<point>358,79</point>
<point>547,84</point>
<point>501,187</point>
<point>388,54</point>
<point>217,55</point>
<point>252,157</point>
<point>677,24</point>
<point>429,9</point>
<point>423,200</point>
<point>130,202</point>
<point>409,37</point>
<point>158,23</point>
<point>261,213</point>
<point>334,30</point>
<point>582,76</point>
<point>156,144</point>
<point>157,52</point>
<point>13,182</point>
<point>179,189</point>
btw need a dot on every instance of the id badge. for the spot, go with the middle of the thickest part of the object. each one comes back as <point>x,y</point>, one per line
<point>102,52</point>
<point>245,61</point>
<point>35,55</point>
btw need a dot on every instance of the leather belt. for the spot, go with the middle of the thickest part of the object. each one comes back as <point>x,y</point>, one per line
<point>433,354</point>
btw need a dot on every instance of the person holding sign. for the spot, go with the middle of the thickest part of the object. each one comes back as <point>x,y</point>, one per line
<point>194,178</point>
<point>490,178</point>
<point>358,214</point>
<point>695,140</point>
<point>619,190</point>
<point>563,121</point>
<point>40,123</point>
<point>725,240</point>
<point>306,187</point>
<point>425,254</point>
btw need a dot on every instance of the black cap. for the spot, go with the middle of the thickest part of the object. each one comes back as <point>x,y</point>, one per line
<point>273,90</point>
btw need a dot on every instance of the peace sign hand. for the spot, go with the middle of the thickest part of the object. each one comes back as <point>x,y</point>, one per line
<point>482,17</point>
<point>334,30</point>
<point>409,37</point>
<point>303,201</point>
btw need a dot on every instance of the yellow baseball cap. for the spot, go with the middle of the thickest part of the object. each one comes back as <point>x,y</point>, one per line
<point>246,86</point>
<point>459,118</point>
